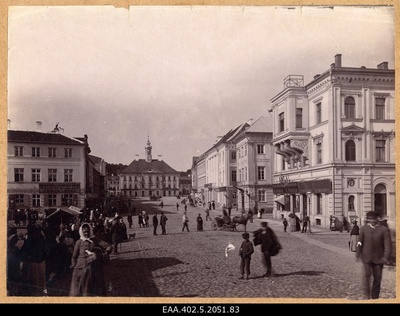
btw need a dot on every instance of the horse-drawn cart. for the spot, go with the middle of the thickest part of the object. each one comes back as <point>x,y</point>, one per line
<point>226,223</point>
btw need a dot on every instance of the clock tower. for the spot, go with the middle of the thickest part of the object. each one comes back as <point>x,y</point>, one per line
<point>148,150</point>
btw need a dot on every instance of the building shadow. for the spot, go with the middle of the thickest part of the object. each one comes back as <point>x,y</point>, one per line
<point>133,277</point>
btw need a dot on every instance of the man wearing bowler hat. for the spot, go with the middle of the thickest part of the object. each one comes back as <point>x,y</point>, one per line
<point>374,250</point>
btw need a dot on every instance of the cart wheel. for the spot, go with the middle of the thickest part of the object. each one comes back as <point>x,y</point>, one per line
<point>214,226</point>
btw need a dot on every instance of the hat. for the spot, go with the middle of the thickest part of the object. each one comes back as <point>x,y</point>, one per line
<point>372,215</point>
<point>245,235</point>
<point>264,224</point>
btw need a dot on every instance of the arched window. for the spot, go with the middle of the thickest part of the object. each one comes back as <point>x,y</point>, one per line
<point>350,151</point>
<point>380,205</point>
<point>349,107</point>
<point>351,203</point>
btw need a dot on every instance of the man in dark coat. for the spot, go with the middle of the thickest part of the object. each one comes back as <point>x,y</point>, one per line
<point>374,250</point>
<point>163,223</point>
<point>155,224</point>
<point>130,220</point>
<point>269,245</point>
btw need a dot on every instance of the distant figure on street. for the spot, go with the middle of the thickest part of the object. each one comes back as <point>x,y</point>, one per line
<point>292,222</point>
<point>199,221</point>
<point>185,221</point>
<point>117,233</point>
<point>208,214</point>
<point>374,250</point>
<point>245,252</point>
<point>177,207</point>
<point>229,209</point>
<point>355,231</point>
<point>155,224</point>
<point>185,207</point>
<point>213,204</point>
<point>285,225</point>
<point>130,220</point>
<point>140,220</point>
<point>209,205</point>
<point>163,223</point>
<point>162,204</point>
<point>305,224</point>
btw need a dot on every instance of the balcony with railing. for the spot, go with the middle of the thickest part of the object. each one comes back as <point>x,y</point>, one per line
<point>293,81</point>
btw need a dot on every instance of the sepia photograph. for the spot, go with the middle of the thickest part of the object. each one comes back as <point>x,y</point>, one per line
<point>200,153</point>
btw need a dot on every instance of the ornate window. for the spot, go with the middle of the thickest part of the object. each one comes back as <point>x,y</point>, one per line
<point>349,107</point>
<point>281,122</point>
<point>379,108</point>
<point>350,151</point>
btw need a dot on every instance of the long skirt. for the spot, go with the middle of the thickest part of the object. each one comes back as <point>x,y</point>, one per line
<point>353,242</point>
<point>81,282</point>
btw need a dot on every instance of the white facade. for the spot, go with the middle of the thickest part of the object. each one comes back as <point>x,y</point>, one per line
<point>334,145</point>
<point>113,188</point>
<point>45,171</point>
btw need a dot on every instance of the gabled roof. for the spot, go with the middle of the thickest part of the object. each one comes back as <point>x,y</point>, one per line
<point>261,125</point>
<point>95,159</point>
<point>41,138</point>
<point>142,166</point>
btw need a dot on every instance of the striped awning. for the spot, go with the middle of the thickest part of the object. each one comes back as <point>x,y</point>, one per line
<point>280,199</point>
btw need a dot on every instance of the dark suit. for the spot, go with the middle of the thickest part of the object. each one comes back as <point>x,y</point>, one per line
<point>155,224</point>
<point>374,249</point>
<point>245,252</point>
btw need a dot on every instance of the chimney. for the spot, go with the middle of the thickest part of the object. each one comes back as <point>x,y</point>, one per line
<point>316,76</point>
<point>250,121</point>
<point>383,65</point>
<point>38,126</point>
<point>9,123</point>
<point>218,139</point>
<point>159,157</point>
<point>338,60</point>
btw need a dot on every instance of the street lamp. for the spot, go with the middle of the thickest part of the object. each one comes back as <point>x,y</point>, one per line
<point>309,203</point>
<point>309,211</point>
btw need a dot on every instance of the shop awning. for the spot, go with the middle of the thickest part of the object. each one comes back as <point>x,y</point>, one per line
<point>280,199</point>
<point>65,210</point>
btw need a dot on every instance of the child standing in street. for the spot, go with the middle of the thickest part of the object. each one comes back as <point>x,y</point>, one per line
<point>245,252</point>
<point>285,225</point>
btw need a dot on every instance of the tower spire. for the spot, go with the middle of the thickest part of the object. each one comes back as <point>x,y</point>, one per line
<point>148,149</point>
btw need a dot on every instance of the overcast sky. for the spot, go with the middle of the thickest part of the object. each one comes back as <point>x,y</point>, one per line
<point>182,75</point>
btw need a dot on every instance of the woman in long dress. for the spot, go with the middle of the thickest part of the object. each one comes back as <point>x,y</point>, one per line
<point>199,223</point>
<point>354,236</point>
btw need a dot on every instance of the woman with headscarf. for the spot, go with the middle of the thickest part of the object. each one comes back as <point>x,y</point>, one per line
<point>88,276</point>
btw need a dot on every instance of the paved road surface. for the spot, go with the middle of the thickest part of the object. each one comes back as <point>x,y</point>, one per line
<point>193,264</point>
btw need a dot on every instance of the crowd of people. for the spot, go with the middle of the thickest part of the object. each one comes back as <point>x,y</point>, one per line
<point>45,251</point>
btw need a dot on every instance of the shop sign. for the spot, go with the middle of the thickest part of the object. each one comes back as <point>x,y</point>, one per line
<point>59,187</point>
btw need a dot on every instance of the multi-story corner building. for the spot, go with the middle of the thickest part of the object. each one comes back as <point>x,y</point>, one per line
<point>113,186</point>
<point>46,170</point>
<point>148,177</point>
<point>254,166</point>
<point>334,144</point>
<point>185,183</point>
